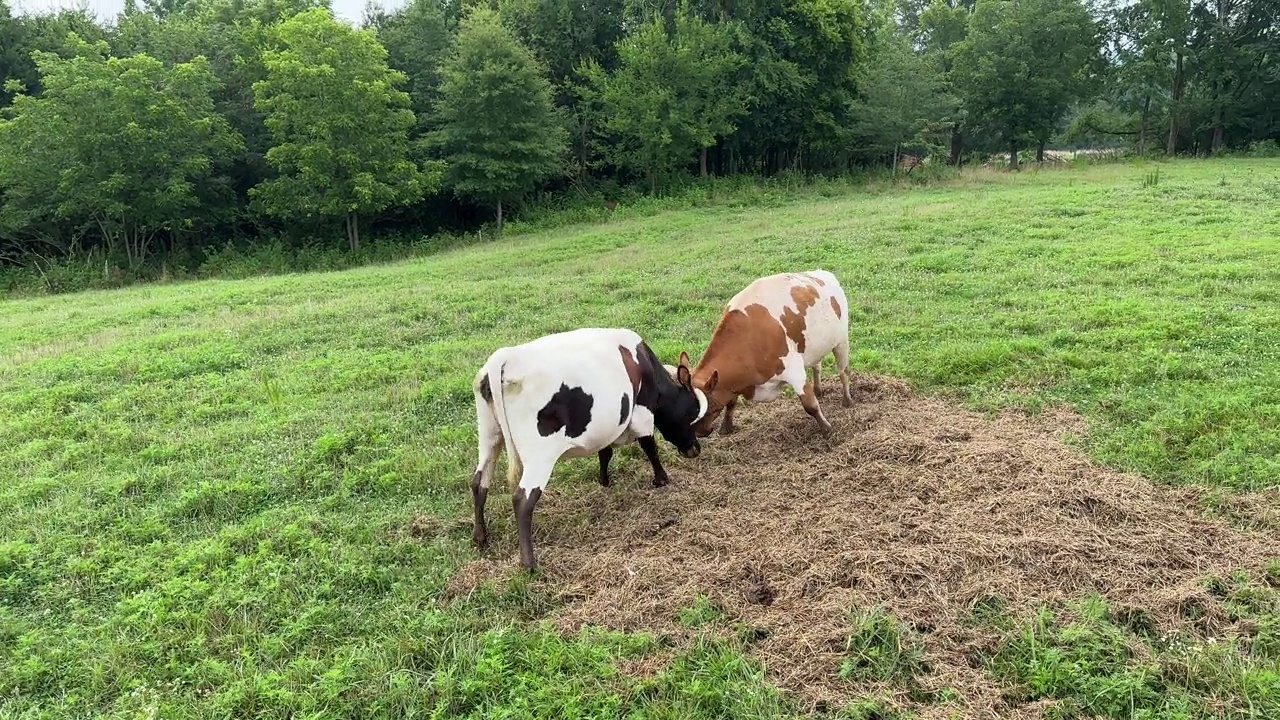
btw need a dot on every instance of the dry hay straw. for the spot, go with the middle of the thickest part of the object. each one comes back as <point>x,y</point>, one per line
<point>912,502</point>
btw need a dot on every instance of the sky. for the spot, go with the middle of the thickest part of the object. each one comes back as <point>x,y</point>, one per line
<point>107,10</point>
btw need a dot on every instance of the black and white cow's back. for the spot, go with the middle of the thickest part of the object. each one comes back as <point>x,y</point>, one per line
<point>574,394</point>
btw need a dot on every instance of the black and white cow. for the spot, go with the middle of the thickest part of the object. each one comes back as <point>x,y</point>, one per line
<point>572,394</point>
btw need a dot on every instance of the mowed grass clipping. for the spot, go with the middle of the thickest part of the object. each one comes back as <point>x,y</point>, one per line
<point>245,498</point>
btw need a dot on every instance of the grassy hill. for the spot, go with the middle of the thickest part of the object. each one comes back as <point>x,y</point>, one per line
<point>247,498</point>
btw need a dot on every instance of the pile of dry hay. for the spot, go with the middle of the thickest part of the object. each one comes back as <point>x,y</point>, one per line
<point>912,502</point>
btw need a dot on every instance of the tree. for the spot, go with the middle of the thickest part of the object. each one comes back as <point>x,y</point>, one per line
<point>418,39</point>
<point>1022,64</point>
<point>942,24</point>
<point>119,144</point>
<point>670,97</point>
<point>14,63</point>
<point>339,124</point>
<point>902,98</point>
<point>499,129</point>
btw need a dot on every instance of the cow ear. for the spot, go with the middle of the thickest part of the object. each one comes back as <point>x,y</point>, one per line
<point>711,383</point>
<point>682,375</point>
<point>684,358</point>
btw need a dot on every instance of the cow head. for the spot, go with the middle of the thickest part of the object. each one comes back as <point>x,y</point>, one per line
<point>715,405</point>
<point>679,406</point>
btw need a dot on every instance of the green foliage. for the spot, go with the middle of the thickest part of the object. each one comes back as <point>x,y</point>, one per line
<point>902,100</point>
<point>1022,63</point>
<point>499,130</point>
<point>120,145</point>
<point>669,98</point>
<point>340,125</point>
<point>418,40</point>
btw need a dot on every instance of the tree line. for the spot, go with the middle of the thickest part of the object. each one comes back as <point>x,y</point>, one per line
<point>184,121</point>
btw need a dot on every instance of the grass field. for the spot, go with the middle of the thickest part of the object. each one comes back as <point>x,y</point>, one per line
<point>215,493</point>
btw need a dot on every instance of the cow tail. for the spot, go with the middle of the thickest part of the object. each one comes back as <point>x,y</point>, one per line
<point>514,467</point>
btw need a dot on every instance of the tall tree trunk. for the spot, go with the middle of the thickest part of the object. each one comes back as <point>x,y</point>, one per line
<point>353,233</point>
<point>702,163</point>
<point>1175,98</point>
<point>1040,153</point>
<point>957,143</point>
<point>895,160</point>
<point>499,217</point>
<point>1013,156</point>
<point>1142,129</point>
<point>1215,144</point>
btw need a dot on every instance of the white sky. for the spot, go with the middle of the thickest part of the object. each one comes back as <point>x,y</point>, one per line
<point>107,10</point>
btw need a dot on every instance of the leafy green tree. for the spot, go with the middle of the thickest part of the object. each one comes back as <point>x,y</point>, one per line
<point>903,100</point>
<point>1022,64</point>
<point>340,126</point>
<point>940,27</point>
<point>14,63</point>
<point>20,36</point>
<point>499,129</point>
<point>118,144</point>
<point>669,98</point>
<point>418,38</point>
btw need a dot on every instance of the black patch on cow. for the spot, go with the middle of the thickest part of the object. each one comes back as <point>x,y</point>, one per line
<point>626,410</point>
<point>569,408</point>
<point>650,366</point>
<point>486,392</point>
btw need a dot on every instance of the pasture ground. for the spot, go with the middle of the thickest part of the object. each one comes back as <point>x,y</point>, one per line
<point>250,498</point>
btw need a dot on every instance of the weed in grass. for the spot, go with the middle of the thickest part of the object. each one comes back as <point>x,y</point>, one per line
<point>878,649</point>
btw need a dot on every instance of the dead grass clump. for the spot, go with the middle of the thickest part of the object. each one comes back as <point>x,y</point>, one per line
<point>927,509</point>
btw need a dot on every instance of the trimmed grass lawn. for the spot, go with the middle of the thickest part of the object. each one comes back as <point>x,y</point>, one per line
<point>245,498</point>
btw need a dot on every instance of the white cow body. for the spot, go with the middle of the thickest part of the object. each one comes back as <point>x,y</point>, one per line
<point>573,394</point>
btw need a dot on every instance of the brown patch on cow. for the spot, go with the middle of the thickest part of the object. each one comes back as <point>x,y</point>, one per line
<point>633,369</point>
<point>835,305</point>
<point>485,391</point>
<point>805,297</point>
<point>795,325</point>
<point>746,349</point>
<point>815,278</point>
<point>917,504</point>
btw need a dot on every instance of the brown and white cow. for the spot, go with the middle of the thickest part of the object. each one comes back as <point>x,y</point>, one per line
<point>771,333</point>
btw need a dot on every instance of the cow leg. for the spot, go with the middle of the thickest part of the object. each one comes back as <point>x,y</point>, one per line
<point>606,454</point>
<point>817,380</point>
<point>490,444</point>
<point>726,422</point>
<point>651,450</point>
<point>842,365</point>
<point>523,501</point>
<point>810,403</point>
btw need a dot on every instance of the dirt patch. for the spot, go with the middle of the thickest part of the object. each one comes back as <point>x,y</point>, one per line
<point>912,502</point>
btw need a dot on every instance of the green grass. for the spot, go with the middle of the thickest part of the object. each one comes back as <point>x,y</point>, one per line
<point>1100,663</point>
<point>247,497</point>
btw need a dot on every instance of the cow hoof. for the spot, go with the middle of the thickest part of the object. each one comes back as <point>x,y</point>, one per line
<point>727,431</point>
<point>661,481</point>
<point>605,482</point>
<point>847,402</point>
<point>480,540</point>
